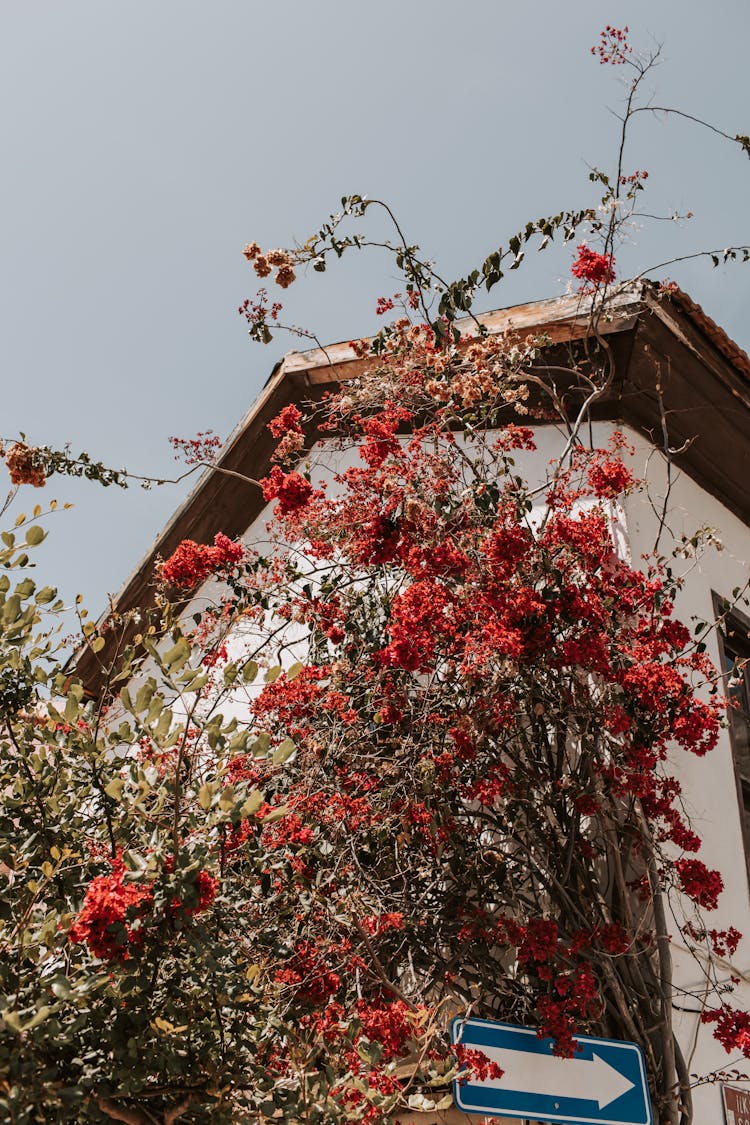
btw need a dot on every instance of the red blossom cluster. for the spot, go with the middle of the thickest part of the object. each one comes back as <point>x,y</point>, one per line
<point>571,992</point>
<point>110,921</point>
<point>24,465</point>
<point>613,46</point>
<point>387,1022</point>
<point>609,477</point>
<point>380,434</point>
<point>593,268</point>
<point>286,421</point>
<point>379,923</point>
<point>258,311</point>
<point>191,563</point>
<point>634,178</point>
<point>387,304</point>
<point>578,1000</point>
<point>204,890</point>
<point>287,429</point>
<point>307,973</point>
<point>117,912</point>
<point>699,883</point>
<point>723,942</point>
<point>292,490</point>
<point>732,1028</point>
<point>475,1065</point>
<point>200,450</point>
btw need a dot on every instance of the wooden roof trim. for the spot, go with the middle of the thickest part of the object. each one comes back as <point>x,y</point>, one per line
<point>220,502</point>
<point>561,319</point>
<point>738,358</point>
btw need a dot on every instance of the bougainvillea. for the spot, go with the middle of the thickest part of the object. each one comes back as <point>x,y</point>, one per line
<point>593,267</point>
<point>484,712</point>
<point>116,914</point>
<point>417,759</point>
<point>191,563</point>
<point>24,466</point>
<point>290,489</point>
<point>110,920</point>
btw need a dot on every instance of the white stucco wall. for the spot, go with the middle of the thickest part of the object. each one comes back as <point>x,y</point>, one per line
<point>708,783</point>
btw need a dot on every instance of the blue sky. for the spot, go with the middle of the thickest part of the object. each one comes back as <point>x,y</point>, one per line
<point>144,143</point>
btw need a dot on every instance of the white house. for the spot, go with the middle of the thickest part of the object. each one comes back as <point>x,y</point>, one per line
<point>680,382</point>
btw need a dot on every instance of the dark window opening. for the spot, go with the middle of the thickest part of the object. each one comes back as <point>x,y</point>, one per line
<point>735,652</point>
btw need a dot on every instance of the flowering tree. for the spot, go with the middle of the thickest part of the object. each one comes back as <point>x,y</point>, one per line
<point>410,764</point>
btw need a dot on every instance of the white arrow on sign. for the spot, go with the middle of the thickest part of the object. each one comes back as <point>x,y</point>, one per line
<point>589,1079</point>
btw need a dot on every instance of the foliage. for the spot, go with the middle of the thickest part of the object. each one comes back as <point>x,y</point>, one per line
<point>267,902</point>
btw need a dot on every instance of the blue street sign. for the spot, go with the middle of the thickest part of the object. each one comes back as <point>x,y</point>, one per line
<point>604,1084</point>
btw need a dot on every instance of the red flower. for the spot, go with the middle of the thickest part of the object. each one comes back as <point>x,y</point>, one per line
<point>700,884</point>
<point>598,269</point>
<point>609,477</point>
<point>379,923</point>
<point>286,421</point>
<point>113,919</point>
<point>110,907</point>
<point>206,887</point>
<point>191,563</point>
<point>384,305</point>
<point>291,490</point>
<point>613,46</point>
<point>478,1067</point>
<point>732,1029</point>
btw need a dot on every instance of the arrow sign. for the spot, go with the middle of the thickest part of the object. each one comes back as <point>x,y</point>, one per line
<point>557,1077</point>
<point>603,1084</point>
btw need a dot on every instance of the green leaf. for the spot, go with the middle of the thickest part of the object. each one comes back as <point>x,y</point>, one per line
<point>11,609</point>
<point>197,683</point>
<point>283,752</point>
<point>272,674</point>
<point>177,656</point>
<point>35,535</point>
<point>61,988</point>
<point>12,1020</point>
<point>72,709</point>
<point>206,795</point>
<point>262,745</point>
<point>227,799</point>
<point>145,695</point>
<point>164,723</point>
<point>114,788</point>
<point>249,671</point>
<point>40,1017</point>
<point>276,814</point>
<point>253,803</point>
